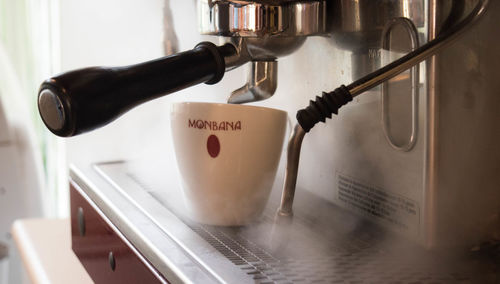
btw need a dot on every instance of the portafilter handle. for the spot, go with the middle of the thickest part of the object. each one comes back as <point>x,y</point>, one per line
<point>82,100</point>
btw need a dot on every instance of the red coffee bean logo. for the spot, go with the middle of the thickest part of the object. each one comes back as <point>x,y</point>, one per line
<point>213,146</point>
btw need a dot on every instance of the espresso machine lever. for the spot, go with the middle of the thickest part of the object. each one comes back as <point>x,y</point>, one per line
<point>82,100</point>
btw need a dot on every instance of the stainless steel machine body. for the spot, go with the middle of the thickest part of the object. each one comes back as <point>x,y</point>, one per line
<point>462,186</point>
<point>415,152</point>
<point>410,155</point>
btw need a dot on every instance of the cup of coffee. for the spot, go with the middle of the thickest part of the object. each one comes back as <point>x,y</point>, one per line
<point>227,156</point>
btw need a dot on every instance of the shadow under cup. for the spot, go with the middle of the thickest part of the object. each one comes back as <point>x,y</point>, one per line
<point>227,156</point>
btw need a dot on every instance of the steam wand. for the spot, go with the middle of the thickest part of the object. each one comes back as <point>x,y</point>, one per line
<point>329,103</point>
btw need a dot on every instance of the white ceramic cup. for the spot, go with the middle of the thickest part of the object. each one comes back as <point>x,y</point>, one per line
<point>227,156</point>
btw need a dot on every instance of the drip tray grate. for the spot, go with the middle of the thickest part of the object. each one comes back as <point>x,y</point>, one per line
<point>362,259</point>
<point>335,267</point>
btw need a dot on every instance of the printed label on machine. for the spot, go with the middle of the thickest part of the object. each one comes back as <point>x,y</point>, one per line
<point>386,207</point>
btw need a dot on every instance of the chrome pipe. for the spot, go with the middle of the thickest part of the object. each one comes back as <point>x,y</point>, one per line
<point>292,168</point>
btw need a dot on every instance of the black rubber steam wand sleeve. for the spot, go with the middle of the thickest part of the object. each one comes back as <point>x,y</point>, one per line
<point>323,107</point>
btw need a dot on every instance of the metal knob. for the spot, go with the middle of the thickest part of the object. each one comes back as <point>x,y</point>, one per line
<point>112,261</point>
<point>81,222</point>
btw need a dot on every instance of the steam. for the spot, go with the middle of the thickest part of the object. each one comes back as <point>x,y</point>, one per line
<point>321,242</point>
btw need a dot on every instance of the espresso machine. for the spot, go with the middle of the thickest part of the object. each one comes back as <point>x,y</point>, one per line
<point>401,185</point>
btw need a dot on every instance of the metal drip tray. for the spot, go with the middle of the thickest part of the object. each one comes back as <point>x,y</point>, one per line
<point>325,244</point>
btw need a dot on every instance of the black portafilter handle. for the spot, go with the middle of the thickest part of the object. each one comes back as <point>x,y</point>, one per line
<point>82,100</point>
<point>323,107</point>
